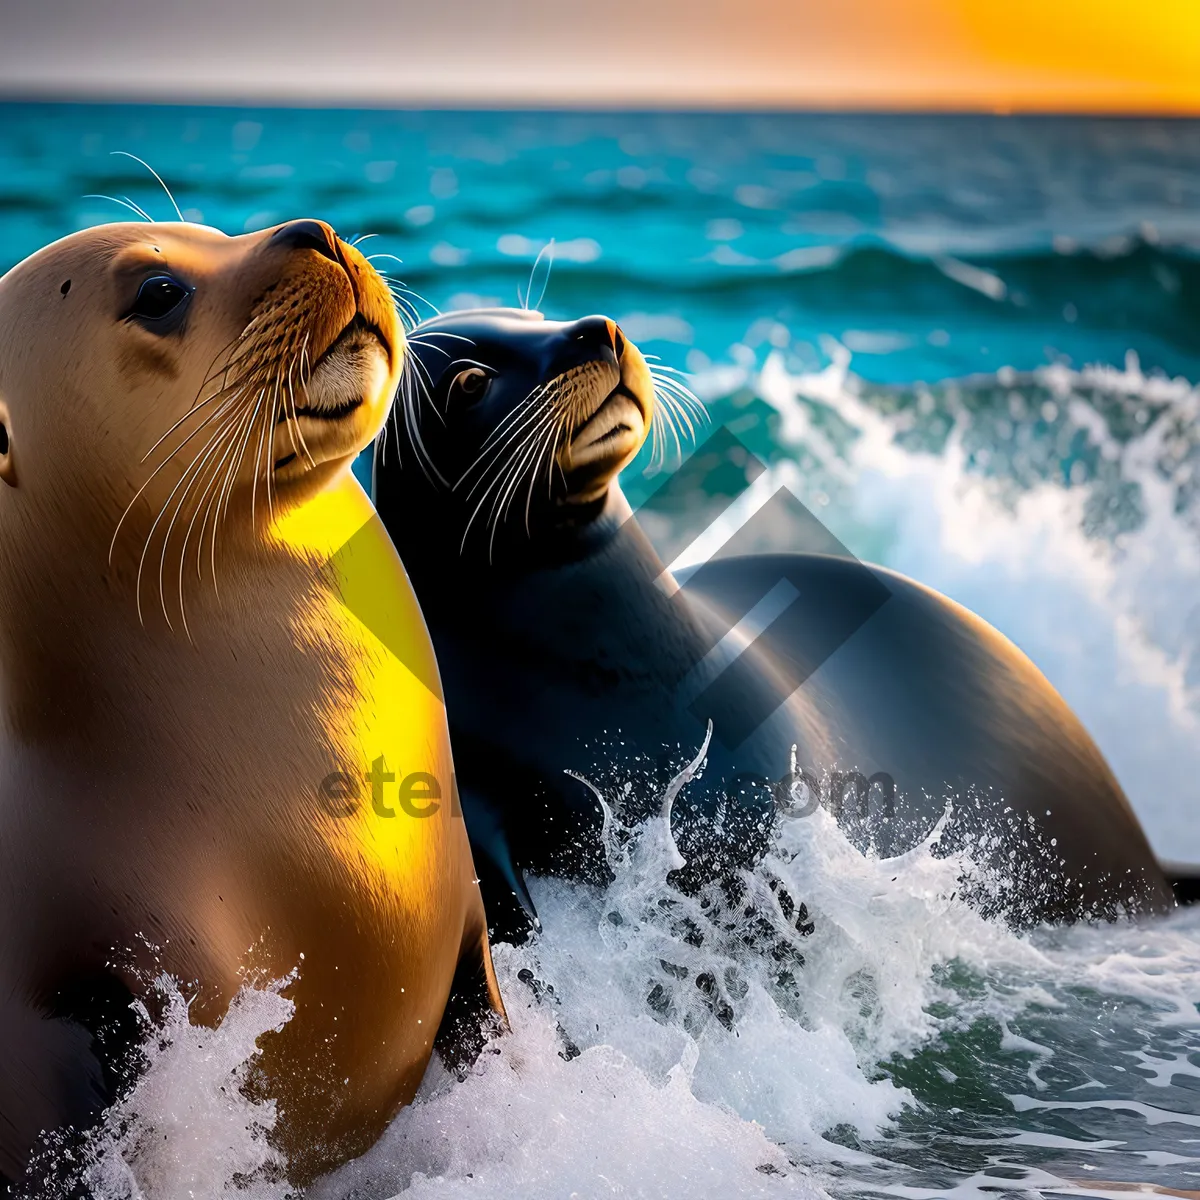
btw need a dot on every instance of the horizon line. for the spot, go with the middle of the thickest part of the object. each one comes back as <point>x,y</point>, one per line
<point>848,105</point>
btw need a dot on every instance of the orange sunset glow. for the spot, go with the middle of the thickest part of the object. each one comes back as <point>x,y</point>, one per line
<point>995,55</point>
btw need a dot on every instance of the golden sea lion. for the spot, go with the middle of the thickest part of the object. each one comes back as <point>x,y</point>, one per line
<point>180,682</point>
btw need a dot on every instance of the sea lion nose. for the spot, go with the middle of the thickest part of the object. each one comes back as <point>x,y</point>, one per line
<point>602,331</point>
<point>307,235</point>
<point>617,338</point>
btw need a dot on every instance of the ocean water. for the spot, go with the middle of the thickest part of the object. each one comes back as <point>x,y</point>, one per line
<point>968,343</point>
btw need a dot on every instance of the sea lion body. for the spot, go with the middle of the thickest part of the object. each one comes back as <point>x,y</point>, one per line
<point>161,802</point>
<point>579,652</point>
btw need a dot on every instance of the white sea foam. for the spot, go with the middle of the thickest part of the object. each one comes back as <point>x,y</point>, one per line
<point>187,1129</point>
<point>622,1076</point>
<point>1114,623</point>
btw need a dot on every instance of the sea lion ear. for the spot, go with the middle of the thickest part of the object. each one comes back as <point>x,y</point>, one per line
<point>8,471</point>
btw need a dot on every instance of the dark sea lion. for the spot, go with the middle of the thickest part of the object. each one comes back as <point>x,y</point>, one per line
<point>565,646</point>
<point>187,704</point>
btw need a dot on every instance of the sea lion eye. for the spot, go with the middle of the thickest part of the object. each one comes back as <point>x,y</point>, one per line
<point>473,382</point>
<point>7,473</point>
<point>157,298</point>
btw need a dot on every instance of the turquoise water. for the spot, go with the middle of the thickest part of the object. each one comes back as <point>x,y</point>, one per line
<point>714,225</point>
<point>971,344</point>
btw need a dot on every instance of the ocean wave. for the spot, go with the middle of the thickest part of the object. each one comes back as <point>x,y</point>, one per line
<point>658,1048</point>
<point>1059,504</point>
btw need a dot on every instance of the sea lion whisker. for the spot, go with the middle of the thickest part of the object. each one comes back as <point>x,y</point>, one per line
<point>661,369</point>
<point>678,413</point>
<point>424,379</point>
<point>251,358</point>
<point>289,409</point>
<point>528,411</point>
<point>656,461</point>
<point>467,362</point>
<point>527,464</point>
<point>688,402</point>
<point>294,422</point>
<point>213,442</point>
<point>494,468</point>
<point>223,370</point>
<point>244,436</point>
<point>419,341</point>
<point>379,448</point>
<point>226,389</point>
<point>229,390</point>
<point>405,308</point>
<point>525,460</point>
<point>546,250</point>
<point>506,484</point>
<point>551,453</point>
<point>422,336</point>
<point>174,205</point>
<point>180,482</point>
<point>392,424</point>
<point>199,507</point>
<point>208,500</point>
<point>423,331</point>
<point>193,473</point>
<point>698,413</point>
<point>215,492</point>
<point>413,365</point>
<point>206,494</point>
<point>410,291</point>
<point>677,399</point>
<point>505,428</point>
<point>541,432</point>
<point>262,439</point>
<point>676,418</point>
<point>371,258</point>
<point>396,284</point>
<point>536,394</point>
<point>412,388</point>
<point>664,415</point>
<point>695,420</point>
<point>420,367</point>
<point>273,421</point>
<point>227,405</point>
<point>222,508</point>
<point>657,426</point>
<point>668,377</point>
<point>124,201</point>
<point>655,363</point>
<point>495,484</point>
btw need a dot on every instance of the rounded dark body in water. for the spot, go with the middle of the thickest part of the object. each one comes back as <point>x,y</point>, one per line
<point>565,647</point>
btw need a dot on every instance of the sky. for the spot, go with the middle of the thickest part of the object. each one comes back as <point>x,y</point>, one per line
<point>995,55</point>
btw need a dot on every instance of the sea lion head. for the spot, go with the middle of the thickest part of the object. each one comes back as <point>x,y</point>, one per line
<point>158,380</point>
<point>519,422</point>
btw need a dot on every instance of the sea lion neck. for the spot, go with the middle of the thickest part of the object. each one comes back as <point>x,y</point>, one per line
<point>442,562</point>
